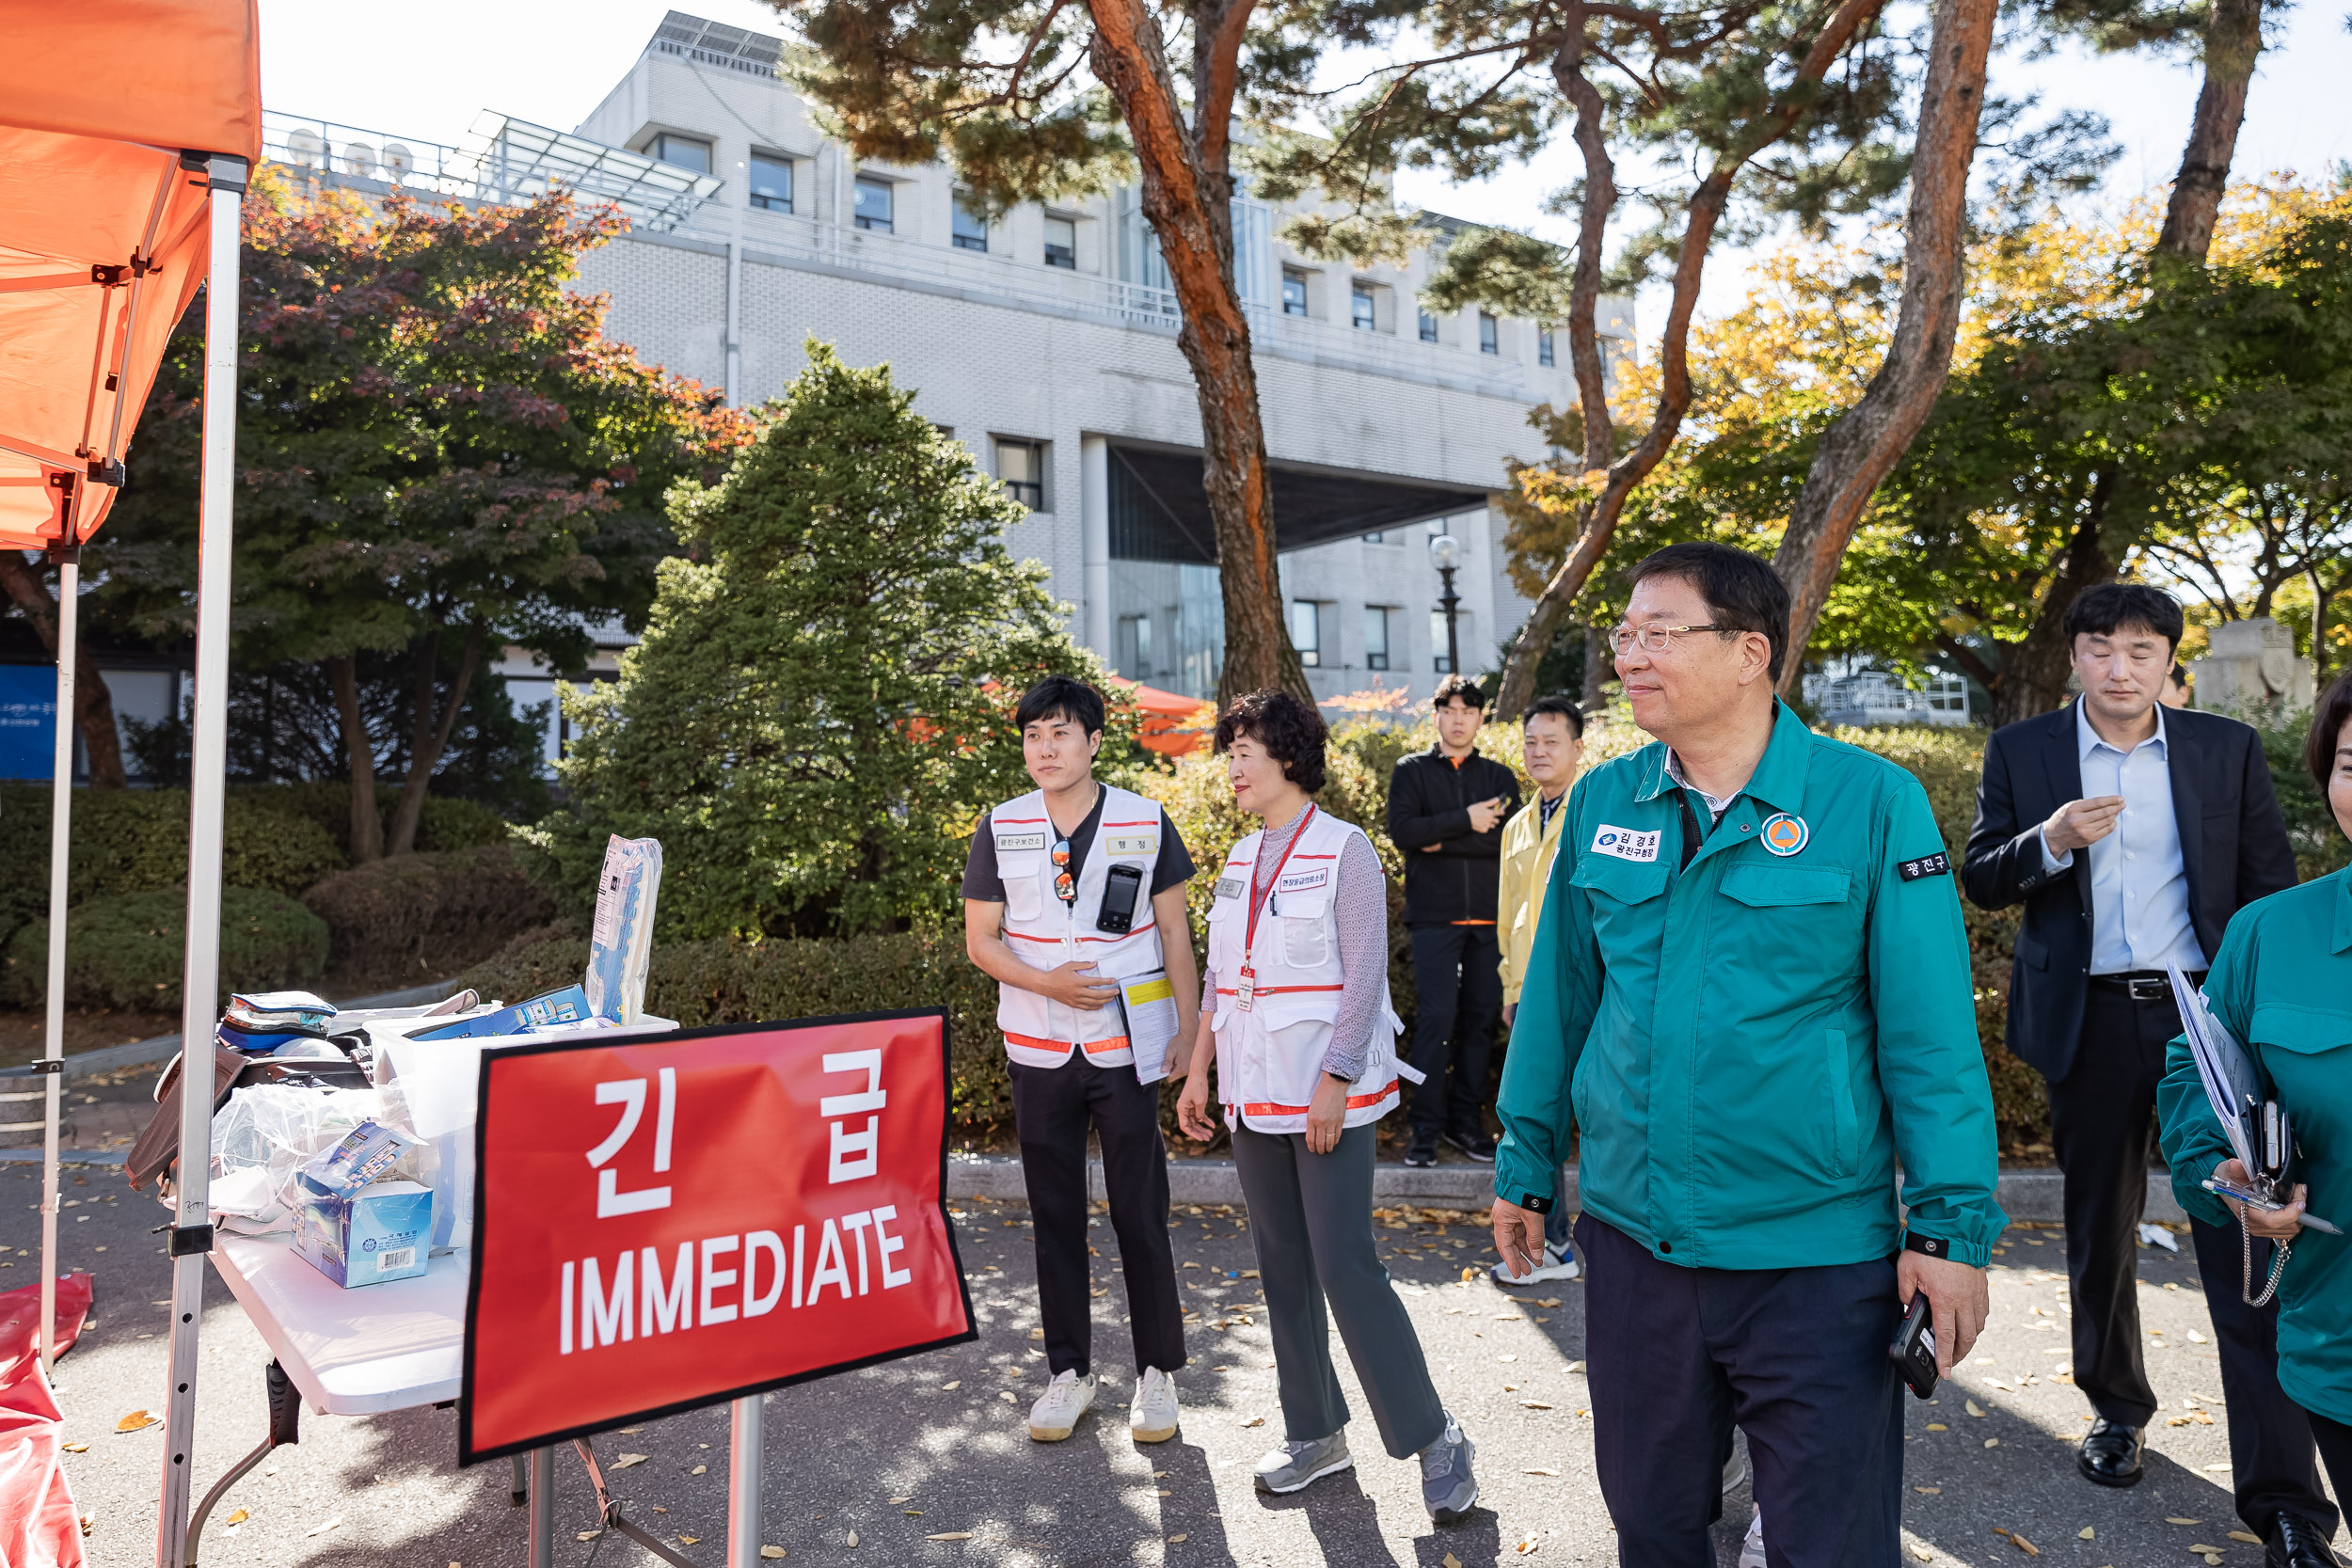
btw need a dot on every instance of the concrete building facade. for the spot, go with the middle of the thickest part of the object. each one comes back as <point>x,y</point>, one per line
<point>1045,340</point>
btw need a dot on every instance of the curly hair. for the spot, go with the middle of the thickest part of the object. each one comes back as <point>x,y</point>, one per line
<point>1292,733</point>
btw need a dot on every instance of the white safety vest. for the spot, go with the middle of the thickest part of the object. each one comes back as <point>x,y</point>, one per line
<point>1269,1056</point>
<point>1047,933</point>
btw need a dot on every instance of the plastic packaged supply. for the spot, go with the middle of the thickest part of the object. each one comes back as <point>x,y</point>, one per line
<point>265,1012</point>
<point>263,1136</point>
<point>365,1154</point>
<point>564,1008</point>
<point>620,947</point>
<point>371,1236</point>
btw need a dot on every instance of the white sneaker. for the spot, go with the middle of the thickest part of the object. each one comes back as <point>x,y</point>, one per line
<point>1056,1414</point>
<point>1752,1549</point>
<point>1558,1262</point>
<point>1152,1414</point>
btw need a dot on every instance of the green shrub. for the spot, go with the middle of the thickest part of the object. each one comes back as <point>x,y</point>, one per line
<point>127,950</point>
<point>126,841</point>
<point>414,917</point>
<point>445,823</point>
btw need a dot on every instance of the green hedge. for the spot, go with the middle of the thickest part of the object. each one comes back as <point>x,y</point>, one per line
<point>413,918</point>
<point>127,950</point>
<point>127,840</point>
<point>446,822</point>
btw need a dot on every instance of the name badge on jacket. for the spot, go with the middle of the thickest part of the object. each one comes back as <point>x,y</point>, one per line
<point>1626,844</point>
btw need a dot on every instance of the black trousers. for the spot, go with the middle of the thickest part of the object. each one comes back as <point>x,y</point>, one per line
<point>1052,1109</point>
<point>1457,981</point>
<point>1795,1357</point>
<point>2335,1446</point>
<point>2101,1124</point>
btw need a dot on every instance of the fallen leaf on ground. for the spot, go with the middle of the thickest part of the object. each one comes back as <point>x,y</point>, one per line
<point>1178,1536</point>
<point>1928,1491</point>
<point>1037,1333</point>
<point>1468,1275</point>
<point>2170,1520</point>
<point>321,1530</point>
<point>2024,1545</point>
<point>1253,1421</point>
<point>907,1499</point>
<point>588,1535</point>
<point>1534,1405</point>
<point>1938,1426</point>
<point>1449,1560</point>
<point>957,1384</point>
<point>1975,1409</point>
<point>1992,1442</point>
<point>625,1461</point>
<point>1005,1395</point>
<point>1539,1470</point>
<point>77,1448</point>
<point>2086,1534</point>
<point>1923,1554</point>
<point>699,1469</point>
<point>1530,1544</point>
<point>950,1535</point>
<point>689,1540</point>
<point>134,1422</point>
<point>2200,1547</point>
<point>239,1517</point>
<point>773,1552</point>
<point>2249,1539</point>
<point>780,1550</point>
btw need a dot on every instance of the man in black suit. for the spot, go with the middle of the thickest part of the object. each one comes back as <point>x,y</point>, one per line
<point>2132,831</point>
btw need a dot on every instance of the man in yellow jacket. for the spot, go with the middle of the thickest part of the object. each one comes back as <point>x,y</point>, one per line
<point>1553,731</point>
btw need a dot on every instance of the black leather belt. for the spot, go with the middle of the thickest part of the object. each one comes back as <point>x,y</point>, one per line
<point>2142,985</point>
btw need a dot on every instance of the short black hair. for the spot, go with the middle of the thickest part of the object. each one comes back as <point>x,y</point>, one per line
<point>2099,610</point>
<point>2328,721</point>
<point>1292,731</point>
<point>1060,697</point>
<point>1742,591</point>
<point>1472,696</point>
<point>1561,705</point>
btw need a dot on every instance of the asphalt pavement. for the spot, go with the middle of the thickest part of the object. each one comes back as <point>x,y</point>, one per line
<point>870,1467</point>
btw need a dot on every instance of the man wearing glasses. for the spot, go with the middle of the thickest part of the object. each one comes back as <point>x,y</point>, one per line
<point>1066,895</point>
<point>1749,992</point>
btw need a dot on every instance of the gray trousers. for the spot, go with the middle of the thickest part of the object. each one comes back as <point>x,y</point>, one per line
<point>1311,1218</point>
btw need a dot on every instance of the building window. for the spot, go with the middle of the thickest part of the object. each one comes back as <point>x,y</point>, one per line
<point>1489,334</point>
<point>876,199</point>
<point>1021,464</point>
<point>1543,347</point>
<point>1428,327</point>
<point>1375,637</point>
<point>1061,243</point>
<point>684,151</point>
<point>771,182</point>
<point>1306,633</point>
<point>1294,291</point>
<point>967,228</point>
<point>1135,647</point>
<point>1361,312</point>
<point>1375,537</point>
<point>1439,661</point>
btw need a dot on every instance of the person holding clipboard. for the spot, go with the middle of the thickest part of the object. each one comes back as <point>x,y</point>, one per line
<point>2282,985</point>
<point>1298,1025</point>
<point>1066,896</point>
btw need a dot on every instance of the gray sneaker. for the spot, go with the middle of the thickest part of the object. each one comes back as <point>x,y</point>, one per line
<point>1295,1465</point>
<point>1447,1488</point>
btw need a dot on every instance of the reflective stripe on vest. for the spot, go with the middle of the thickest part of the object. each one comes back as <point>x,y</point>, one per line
<point>1045,933</point>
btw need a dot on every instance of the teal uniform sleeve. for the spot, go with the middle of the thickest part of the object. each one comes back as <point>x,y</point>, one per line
<point>2192,1137</point>
<point>1557,1001</point>
<point>1929,1061</point>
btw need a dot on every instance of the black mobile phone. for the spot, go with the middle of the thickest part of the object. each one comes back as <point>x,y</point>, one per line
<point>1119,888</point>
<point>1913,1349</point>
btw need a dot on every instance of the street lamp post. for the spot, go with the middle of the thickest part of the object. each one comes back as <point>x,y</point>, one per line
<point>1446,551</point>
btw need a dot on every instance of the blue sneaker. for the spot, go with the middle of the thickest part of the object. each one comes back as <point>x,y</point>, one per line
<point>1448,1489</point>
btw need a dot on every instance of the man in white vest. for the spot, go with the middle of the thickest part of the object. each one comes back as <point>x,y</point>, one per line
<point>1067,893</point>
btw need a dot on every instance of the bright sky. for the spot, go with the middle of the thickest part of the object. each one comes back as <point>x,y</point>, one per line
<point>426,68</point>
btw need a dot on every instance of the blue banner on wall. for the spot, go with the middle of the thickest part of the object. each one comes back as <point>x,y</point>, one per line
<point>28,708</point>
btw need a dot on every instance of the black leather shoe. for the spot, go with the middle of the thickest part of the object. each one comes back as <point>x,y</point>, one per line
<point>2110,1454</point>
<point>1474,1145</point>
<point>1421,1152</point>
<point>2297,1543</point>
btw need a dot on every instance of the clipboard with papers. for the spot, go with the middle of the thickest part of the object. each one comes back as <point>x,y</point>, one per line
<point>2255,1124</point>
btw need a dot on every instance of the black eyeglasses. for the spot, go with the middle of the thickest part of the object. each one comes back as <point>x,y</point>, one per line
<point>1065,886</point>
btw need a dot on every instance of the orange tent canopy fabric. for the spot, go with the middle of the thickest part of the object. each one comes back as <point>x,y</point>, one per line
<point>1173,724</point>
<point>102,236</point>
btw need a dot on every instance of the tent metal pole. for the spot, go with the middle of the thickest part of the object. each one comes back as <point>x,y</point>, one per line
<point>53,1032</point>
<point>192,1233</point>
<point>743,1472</point>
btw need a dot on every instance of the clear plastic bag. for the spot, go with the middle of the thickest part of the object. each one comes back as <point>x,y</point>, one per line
<point>273,1130</point>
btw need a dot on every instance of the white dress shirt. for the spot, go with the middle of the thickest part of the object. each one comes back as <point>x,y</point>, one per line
<point>2139,915</point>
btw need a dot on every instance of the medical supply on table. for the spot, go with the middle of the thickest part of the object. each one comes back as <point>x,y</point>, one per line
<point>371,1236</point>
<point>361,1156</point>
<point>620,945</point>
<point>565,1007</point>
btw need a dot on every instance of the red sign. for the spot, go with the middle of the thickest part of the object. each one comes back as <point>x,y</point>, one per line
<point>668,1221</point>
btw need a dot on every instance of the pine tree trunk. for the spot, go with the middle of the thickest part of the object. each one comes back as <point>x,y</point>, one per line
<point>367,829</point>
<point>1188,197</point>
<point>93,703</point>
<point>2233,40</point>
<point>1600,523</point>
<point>1863,447</point>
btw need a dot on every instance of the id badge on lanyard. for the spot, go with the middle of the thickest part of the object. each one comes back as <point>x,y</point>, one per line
<point>1246,991</point>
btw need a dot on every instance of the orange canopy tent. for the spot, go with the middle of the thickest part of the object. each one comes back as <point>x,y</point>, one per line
<point>1173,723</point>
<point>127,129</point>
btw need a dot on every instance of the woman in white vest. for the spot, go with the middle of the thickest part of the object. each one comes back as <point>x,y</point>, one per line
<point>1297,1020</point>
<point>1066,895</point>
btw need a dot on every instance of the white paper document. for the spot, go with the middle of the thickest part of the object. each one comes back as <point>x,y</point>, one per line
<point>1149,1003</point>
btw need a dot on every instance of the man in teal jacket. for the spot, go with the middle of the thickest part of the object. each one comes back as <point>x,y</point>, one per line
<point>1749,992</point>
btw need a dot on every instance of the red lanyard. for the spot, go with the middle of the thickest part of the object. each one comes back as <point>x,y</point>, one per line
<point>1249,941</point>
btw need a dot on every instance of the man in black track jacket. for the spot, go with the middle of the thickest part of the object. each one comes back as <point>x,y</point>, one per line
<point>1446,810</point>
